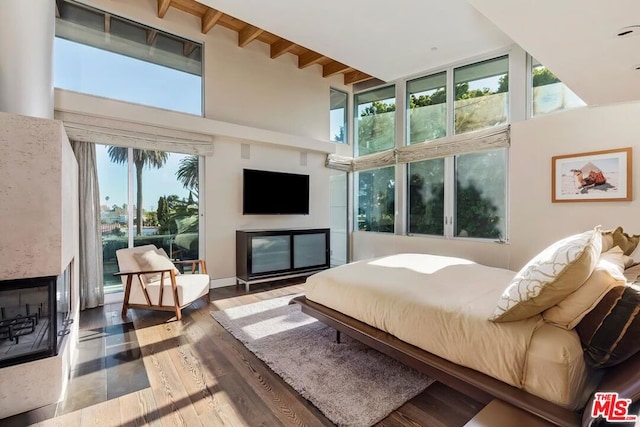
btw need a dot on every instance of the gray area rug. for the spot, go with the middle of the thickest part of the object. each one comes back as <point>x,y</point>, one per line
<point>350,383</point>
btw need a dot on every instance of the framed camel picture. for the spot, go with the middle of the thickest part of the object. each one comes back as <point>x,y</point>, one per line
<point>598,176</point>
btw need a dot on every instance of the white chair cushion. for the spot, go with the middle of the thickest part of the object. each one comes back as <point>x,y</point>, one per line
<point>190,288</point>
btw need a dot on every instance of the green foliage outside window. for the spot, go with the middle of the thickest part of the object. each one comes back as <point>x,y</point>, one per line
<point>376,200</point>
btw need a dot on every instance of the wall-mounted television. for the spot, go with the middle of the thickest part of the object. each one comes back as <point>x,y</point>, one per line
<point>274,193</point>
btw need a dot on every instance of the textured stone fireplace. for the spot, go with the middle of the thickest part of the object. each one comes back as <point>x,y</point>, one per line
<point>38,239</point>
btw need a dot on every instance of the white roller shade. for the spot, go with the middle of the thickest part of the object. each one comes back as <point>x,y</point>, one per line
<point>374,161</point>
<point>122,133</point>
<point>341,163</point>
<point>470,142</point>
<point>486,139</point>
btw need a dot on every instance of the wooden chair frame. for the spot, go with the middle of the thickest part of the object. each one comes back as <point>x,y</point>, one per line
<point>199,265</point>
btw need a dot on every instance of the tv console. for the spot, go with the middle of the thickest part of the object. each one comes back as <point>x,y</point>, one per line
<point>265,255</point>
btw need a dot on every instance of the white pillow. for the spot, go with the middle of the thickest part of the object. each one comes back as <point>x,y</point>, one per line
<point>608,273</point>
<point>549,277</point>
<point>152,260</point>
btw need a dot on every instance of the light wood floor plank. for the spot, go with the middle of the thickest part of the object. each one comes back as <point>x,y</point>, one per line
<point>174,403</point>
<point>139,409</point>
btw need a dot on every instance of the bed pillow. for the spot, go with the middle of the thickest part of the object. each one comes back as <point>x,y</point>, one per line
<point>154,259</point>
<point>635,255</point>
<point>607,240</point>
<point>609,333</point>
<point>626,242</point>
<point>549,277</point>
<point>608,273</point>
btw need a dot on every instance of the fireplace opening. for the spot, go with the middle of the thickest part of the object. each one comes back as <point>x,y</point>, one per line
<point>34,317</point>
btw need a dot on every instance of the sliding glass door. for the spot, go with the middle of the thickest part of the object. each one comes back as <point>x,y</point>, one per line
<point>148,197</point>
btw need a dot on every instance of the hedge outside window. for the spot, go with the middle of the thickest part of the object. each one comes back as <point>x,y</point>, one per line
<point>481,95</point>
<point>481,194</point>
<point>375,120</point>
<point>548,93</point>
<point>426,197</point>
<point>427,108</point>
<point>376,200</point>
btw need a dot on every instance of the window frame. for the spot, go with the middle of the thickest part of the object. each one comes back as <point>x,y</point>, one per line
<point>530,62</point>
<point>345,123</point>
<point>402,184</point>
<point>199,45</point>
<point>356,141</point>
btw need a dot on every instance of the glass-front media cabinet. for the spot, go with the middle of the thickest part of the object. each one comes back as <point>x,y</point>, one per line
<point>263,255</point>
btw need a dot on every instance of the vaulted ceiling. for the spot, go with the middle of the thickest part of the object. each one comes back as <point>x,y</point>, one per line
<point>248,33</point>
<point>591,45</point>
<point>577,39</point>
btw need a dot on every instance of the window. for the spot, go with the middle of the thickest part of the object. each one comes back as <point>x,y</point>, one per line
<point>375,120</point>
<point>481,194</point>
<point>338,116</point>
<point>481,95</point>
<point>101,54</point>
<point>548,93</point>
<point>376,200</point>
<point>426,197</point>
<point>165,204</point>
<point>427,108</point>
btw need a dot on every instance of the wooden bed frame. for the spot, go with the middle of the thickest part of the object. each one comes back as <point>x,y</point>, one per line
<point>623,378</point>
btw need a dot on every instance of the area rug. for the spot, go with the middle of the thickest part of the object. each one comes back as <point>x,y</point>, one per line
<point>350,383</point>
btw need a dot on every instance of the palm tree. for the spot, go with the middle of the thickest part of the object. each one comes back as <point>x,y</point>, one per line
<point>188,173</point>
<point>141,158</point>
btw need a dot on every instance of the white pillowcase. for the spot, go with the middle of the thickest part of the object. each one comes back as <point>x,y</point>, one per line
<point>608,273</point>
<point>549,277</point>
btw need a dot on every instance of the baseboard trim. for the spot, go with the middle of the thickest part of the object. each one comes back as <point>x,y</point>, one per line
<point>221,283</point>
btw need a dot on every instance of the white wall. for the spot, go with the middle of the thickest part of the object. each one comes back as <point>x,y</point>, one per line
<point>535,221</point>
<point>224,199</point>
<point>282,111</point>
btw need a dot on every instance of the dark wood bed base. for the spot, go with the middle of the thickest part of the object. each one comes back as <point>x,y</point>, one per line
<point>624,378</point>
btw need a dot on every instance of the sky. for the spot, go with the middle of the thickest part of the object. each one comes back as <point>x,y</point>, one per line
<point>86,69</point>
<point>156,182</point>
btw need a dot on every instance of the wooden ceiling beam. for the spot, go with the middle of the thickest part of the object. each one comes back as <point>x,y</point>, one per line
<point>163,6</point>
<point>281,47</point>
<point>248,34</point>
<point>356,77</point>
<point>309,58</point>
<point>210,19</point>
<point>334,67</point>
<point>107,23</point>
<point>188,48</point>
<point>151,36</point>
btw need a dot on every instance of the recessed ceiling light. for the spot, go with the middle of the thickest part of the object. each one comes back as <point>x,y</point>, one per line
<point>630,31</point>
<point>636,67</point>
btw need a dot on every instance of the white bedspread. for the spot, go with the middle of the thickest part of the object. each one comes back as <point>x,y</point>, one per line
<point>441,304</point>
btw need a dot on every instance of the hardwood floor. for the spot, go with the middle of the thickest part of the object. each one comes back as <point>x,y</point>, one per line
<point>198,374</point>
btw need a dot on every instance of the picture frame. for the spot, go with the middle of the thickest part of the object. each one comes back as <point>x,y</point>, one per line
<point>596,176</point>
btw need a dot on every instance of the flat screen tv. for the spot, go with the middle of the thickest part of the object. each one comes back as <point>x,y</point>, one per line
<point>274,193</point>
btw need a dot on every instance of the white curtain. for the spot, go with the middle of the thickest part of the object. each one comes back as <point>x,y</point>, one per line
<point>90,266</point>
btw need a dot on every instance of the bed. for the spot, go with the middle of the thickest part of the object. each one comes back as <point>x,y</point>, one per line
<point>432,312</point>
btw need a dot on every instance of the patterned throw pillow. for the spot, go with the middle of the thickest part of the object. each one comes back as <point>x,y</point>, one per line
<point>610,332</point>
<point>608,273</point>
<point>549,277</point>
